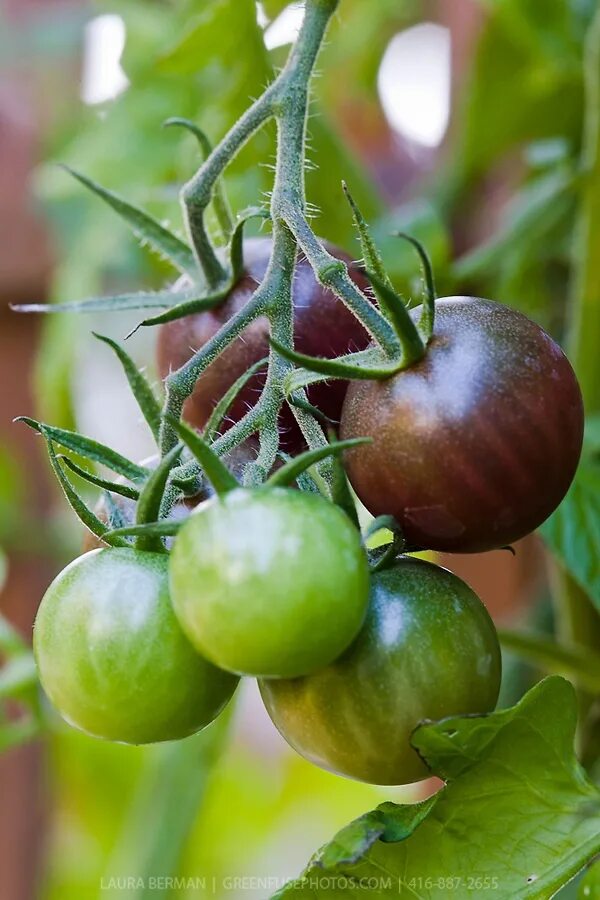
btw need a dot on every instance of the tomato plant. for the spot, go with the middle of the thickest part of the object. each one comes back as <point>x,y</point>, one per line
<point>322,326</point>
<point>112,657</point>
<point>477,444</point>
<point>269,582</point>
<point>428,650</point>
<point>238,549</point>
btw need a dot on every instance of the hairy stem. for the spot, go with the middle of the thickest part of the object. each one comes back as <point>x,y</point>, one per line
<point>286,100</point>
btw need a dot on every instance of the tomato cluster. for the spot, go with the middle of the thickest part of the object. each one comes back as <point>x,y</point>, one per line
<point>472,447</point>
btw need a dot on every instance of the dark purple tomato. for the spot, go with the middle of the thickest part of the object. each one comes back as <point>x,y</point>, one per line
<point>323,326</point>
<point>427,650</point>
<point>475,445</point>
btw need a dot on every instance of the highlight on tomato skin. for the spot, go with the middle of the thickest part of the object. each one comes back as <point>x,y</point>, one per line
<point>475,445</point>
<point>112,657</point>
<point>428,650</point>
<point>323,326</point>
<point>271,582</point>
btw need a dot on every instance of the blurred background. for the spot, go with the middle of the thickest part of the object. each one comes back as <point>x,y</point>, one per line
<point>459,122</point>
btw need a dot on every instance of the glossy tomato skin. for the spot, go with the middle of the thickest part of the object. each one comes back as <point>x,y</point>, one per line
<point>428,650</point>
<point>270,582</point>
<point>323,326</point>
<point>477,444</point>
<point>112,657</point>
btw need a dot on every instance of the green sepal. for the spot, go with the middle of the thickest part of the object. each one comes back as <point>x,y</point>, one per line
<point>290,471</point>
<point>223,406</point>
<point>145,227</point>
<point>342,367</point>
<point>149,503</point>
<point>162,529</point>
<point>427,319</point>
<point>220,202</point>
<point>380,523</point>
<point>371,255</point>
<point>114,486</point>
<point>341,494</point>
<point>305,406</point>
<point>215,470</point>
<point>397,312</point>
<point>85,515</point>
<point>117,303</point>
<point>90,449</point>
<point>143,393</point>
<point>236,246</point>
<point>187,308</point>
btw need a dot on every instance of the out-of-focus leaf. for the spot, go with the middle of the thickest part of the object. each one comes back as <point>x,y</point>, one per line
<point>573,531</point>
<point>167,802</point>
<point>513,785</point>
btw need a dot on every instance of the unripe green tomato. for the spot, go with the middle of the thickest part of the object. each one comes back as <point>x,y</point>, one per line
<point>428,650</point>
<point>270,582</point>
<point>112,657</point>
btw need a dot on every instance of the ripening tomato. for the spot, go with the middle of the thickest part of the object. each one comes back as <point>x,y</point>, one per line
<point>475,445</point>
<point>323,326</point>
<point>269,581</point>
<point>112,657</point>
<point>427,650</point>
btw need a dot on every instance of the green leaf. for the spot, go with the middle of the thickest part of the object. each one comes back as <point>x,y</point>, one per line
<point>288,473</point>
<point>223,406</point>
<point>90,449</point>
<point>140,388</point>
<point>217,473</point>
<point>573,532</point>
<point>517,817</point>
<point>147,229</point>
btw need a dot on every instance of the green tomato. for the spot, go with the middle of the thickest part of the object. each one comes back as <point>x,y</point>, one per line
<point>270,582</point>
<point>428,649</point>
<point>112,657</point>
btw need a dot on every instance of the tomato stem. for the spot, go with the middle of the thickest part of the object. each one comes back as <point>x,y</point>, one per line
<point>286,100</point>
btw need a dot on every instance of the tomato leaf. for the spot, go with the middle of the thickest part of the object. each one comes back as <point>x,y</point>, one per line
<point>573,531</point>
<point>513,785</point>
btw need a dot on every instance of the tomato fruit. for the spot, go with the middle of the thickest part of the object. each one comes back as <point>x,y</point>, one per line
<point>270,582</point>
<point>323,326</point>
<point>475,445</point>
<point>112,657</point>
<point>427,650</point>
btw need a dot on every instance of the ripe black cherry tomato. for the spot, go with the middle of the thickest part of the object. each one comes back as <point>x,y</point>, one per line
<point>323,326</point>
<point>475,445</point>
